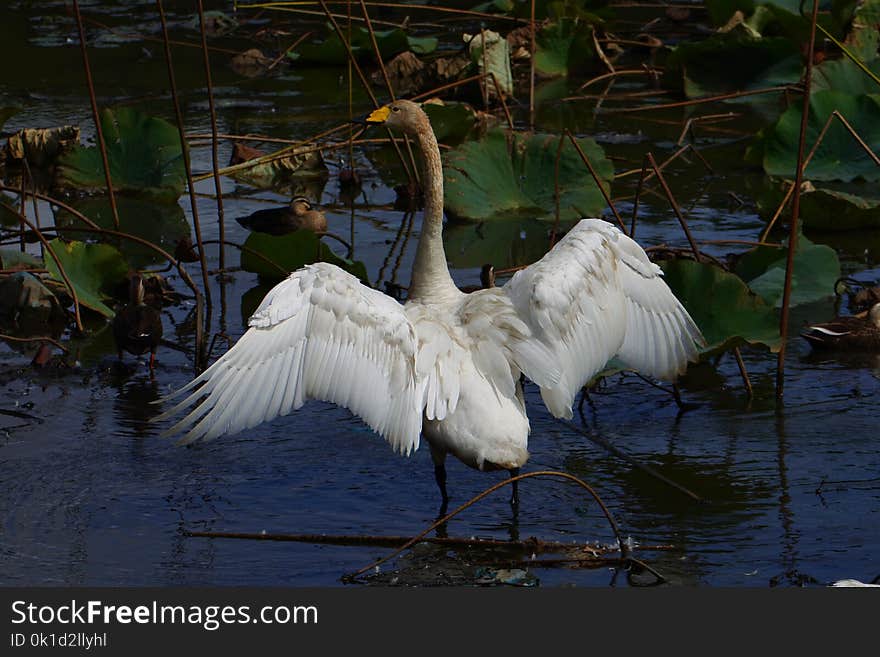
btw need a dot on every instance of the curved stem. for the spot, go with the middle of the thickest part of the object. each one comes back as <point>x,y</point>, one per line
<point>542,473</point>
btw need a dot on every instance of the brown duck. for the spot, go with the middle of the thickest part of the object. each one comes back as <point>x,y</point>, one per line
<point>487,280</point>
<point>298,215</point>
<point>137,327</point>
<point>852,333</point>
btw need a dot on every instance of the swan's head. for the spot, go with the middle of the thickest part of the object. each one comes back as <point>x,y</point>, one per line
<point>403,115</point>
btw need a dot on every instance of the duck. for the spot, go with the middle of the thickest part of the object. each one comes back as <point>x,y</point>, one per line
<point>850,332</point>
<point>137,327</point>
<point>446,366</point>
<point>860,296</point>
<point>298,215</point>
<point>487,279</point>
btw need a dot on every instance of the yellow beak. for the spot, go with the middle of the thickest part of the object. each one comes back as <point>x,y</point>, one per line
<point>379,115</point>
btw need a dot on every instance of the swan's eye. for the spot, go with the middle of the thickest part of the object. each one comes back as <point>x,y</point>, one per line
<point>395,109</point>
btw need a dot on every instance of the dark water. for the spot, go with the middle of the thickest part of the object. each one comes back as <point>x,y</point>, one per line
<point>89,494</point>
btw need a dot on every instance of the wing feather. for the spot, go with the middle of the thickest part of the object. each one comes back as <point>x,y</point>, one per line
<point>594,296</point>
<point>319,334</point>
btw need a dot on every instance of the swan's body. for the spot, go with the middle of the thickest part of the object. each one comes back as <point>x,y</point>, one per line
<point>447,364</point>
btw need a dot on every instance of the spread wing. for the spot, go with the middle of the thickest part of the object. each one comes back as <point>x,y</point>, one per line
<point>594,296</point>
<point>661,338</point>
<point>319,334</point>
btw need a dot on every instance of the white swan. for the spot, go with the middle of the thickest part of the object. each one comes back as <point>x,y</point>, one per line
<point>446,364</point>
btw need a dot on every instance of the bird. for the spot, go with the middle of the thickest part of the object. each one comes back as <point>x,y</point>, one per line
<point>298,215</point>
<point>446,365</point>
<point>137,327</point>
<point>850,332</point>
<point>487,279</point>
<point>860,295</point>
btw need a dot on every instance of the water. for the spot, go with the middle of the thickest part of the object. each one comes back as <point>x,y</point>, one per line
<point>90,494</point>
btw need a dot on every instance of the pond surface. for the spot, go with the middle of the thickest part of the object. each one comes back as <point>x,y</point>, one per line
<point>90,494</point>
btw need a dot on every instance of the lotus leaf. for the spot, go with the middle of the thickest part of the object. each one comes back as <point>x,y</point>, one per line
<point>552,8</point>
<point>496,59</point>
<point>816,268</point>
<point>703,68</point>
<point>144,153</point>
<point>786,12</point>
<point>28,308</point>
<point>299,163</point>
<point>727,312</point>
<point>501,243</point>
<point>844,75</point>
<point>452,122</point>
<point>825,208</point>
<point>41,146</point>
<point>162,224</point>
<point>838,157</point>
<point>8,214</point>
<point>17,259</point>
<point>95,270</point>
<point>513,174</point>
<point>563,47</point>
<point>390,42</point>
<point>863,39</point>
<point>290,252</point>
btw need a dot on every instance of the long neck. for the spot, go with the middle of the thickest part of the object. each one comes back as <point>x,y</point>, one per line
<point>430,276</point>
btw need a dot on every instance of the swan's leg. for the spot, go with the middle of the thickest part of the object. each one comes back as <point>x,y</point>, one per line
<point>440,478</point>
<point>514,497</point>
<point>439,457</point>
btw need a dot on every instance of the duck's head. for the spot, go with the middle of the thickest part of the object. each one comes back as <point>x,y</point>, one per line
<point>487,276</point>
<point>300,205</point>
<point>874,315</point>
<point>135,288</point>
<point>404,115</point>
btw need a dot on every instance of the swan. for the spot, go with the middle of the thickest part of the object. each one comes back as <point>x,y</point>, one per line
<point>446,365</point>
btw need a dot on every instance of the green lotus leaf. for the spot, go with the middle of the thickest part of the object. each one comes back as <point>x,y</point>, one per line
<point>863,39</point>
<point>780,16</point>
<point>826,209</point>
<point>162,224</point>
<point>290,252</point>
<point>703,68</point>
<point>816,268</point>
<point>95,270</point>
<point>391,42</point>
<point>512,174</point>
<point>728,313</point>
<point>144,153</point>
<point>838,157</point>
<point>563,47</point>
<point>500,243</point>
<point>17,259</point>
<point>844,75</point>
<point>452,122</point>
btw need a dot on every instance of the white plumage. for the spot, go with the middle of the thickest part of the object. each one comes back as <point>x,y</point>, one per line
<point>446,364</point>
